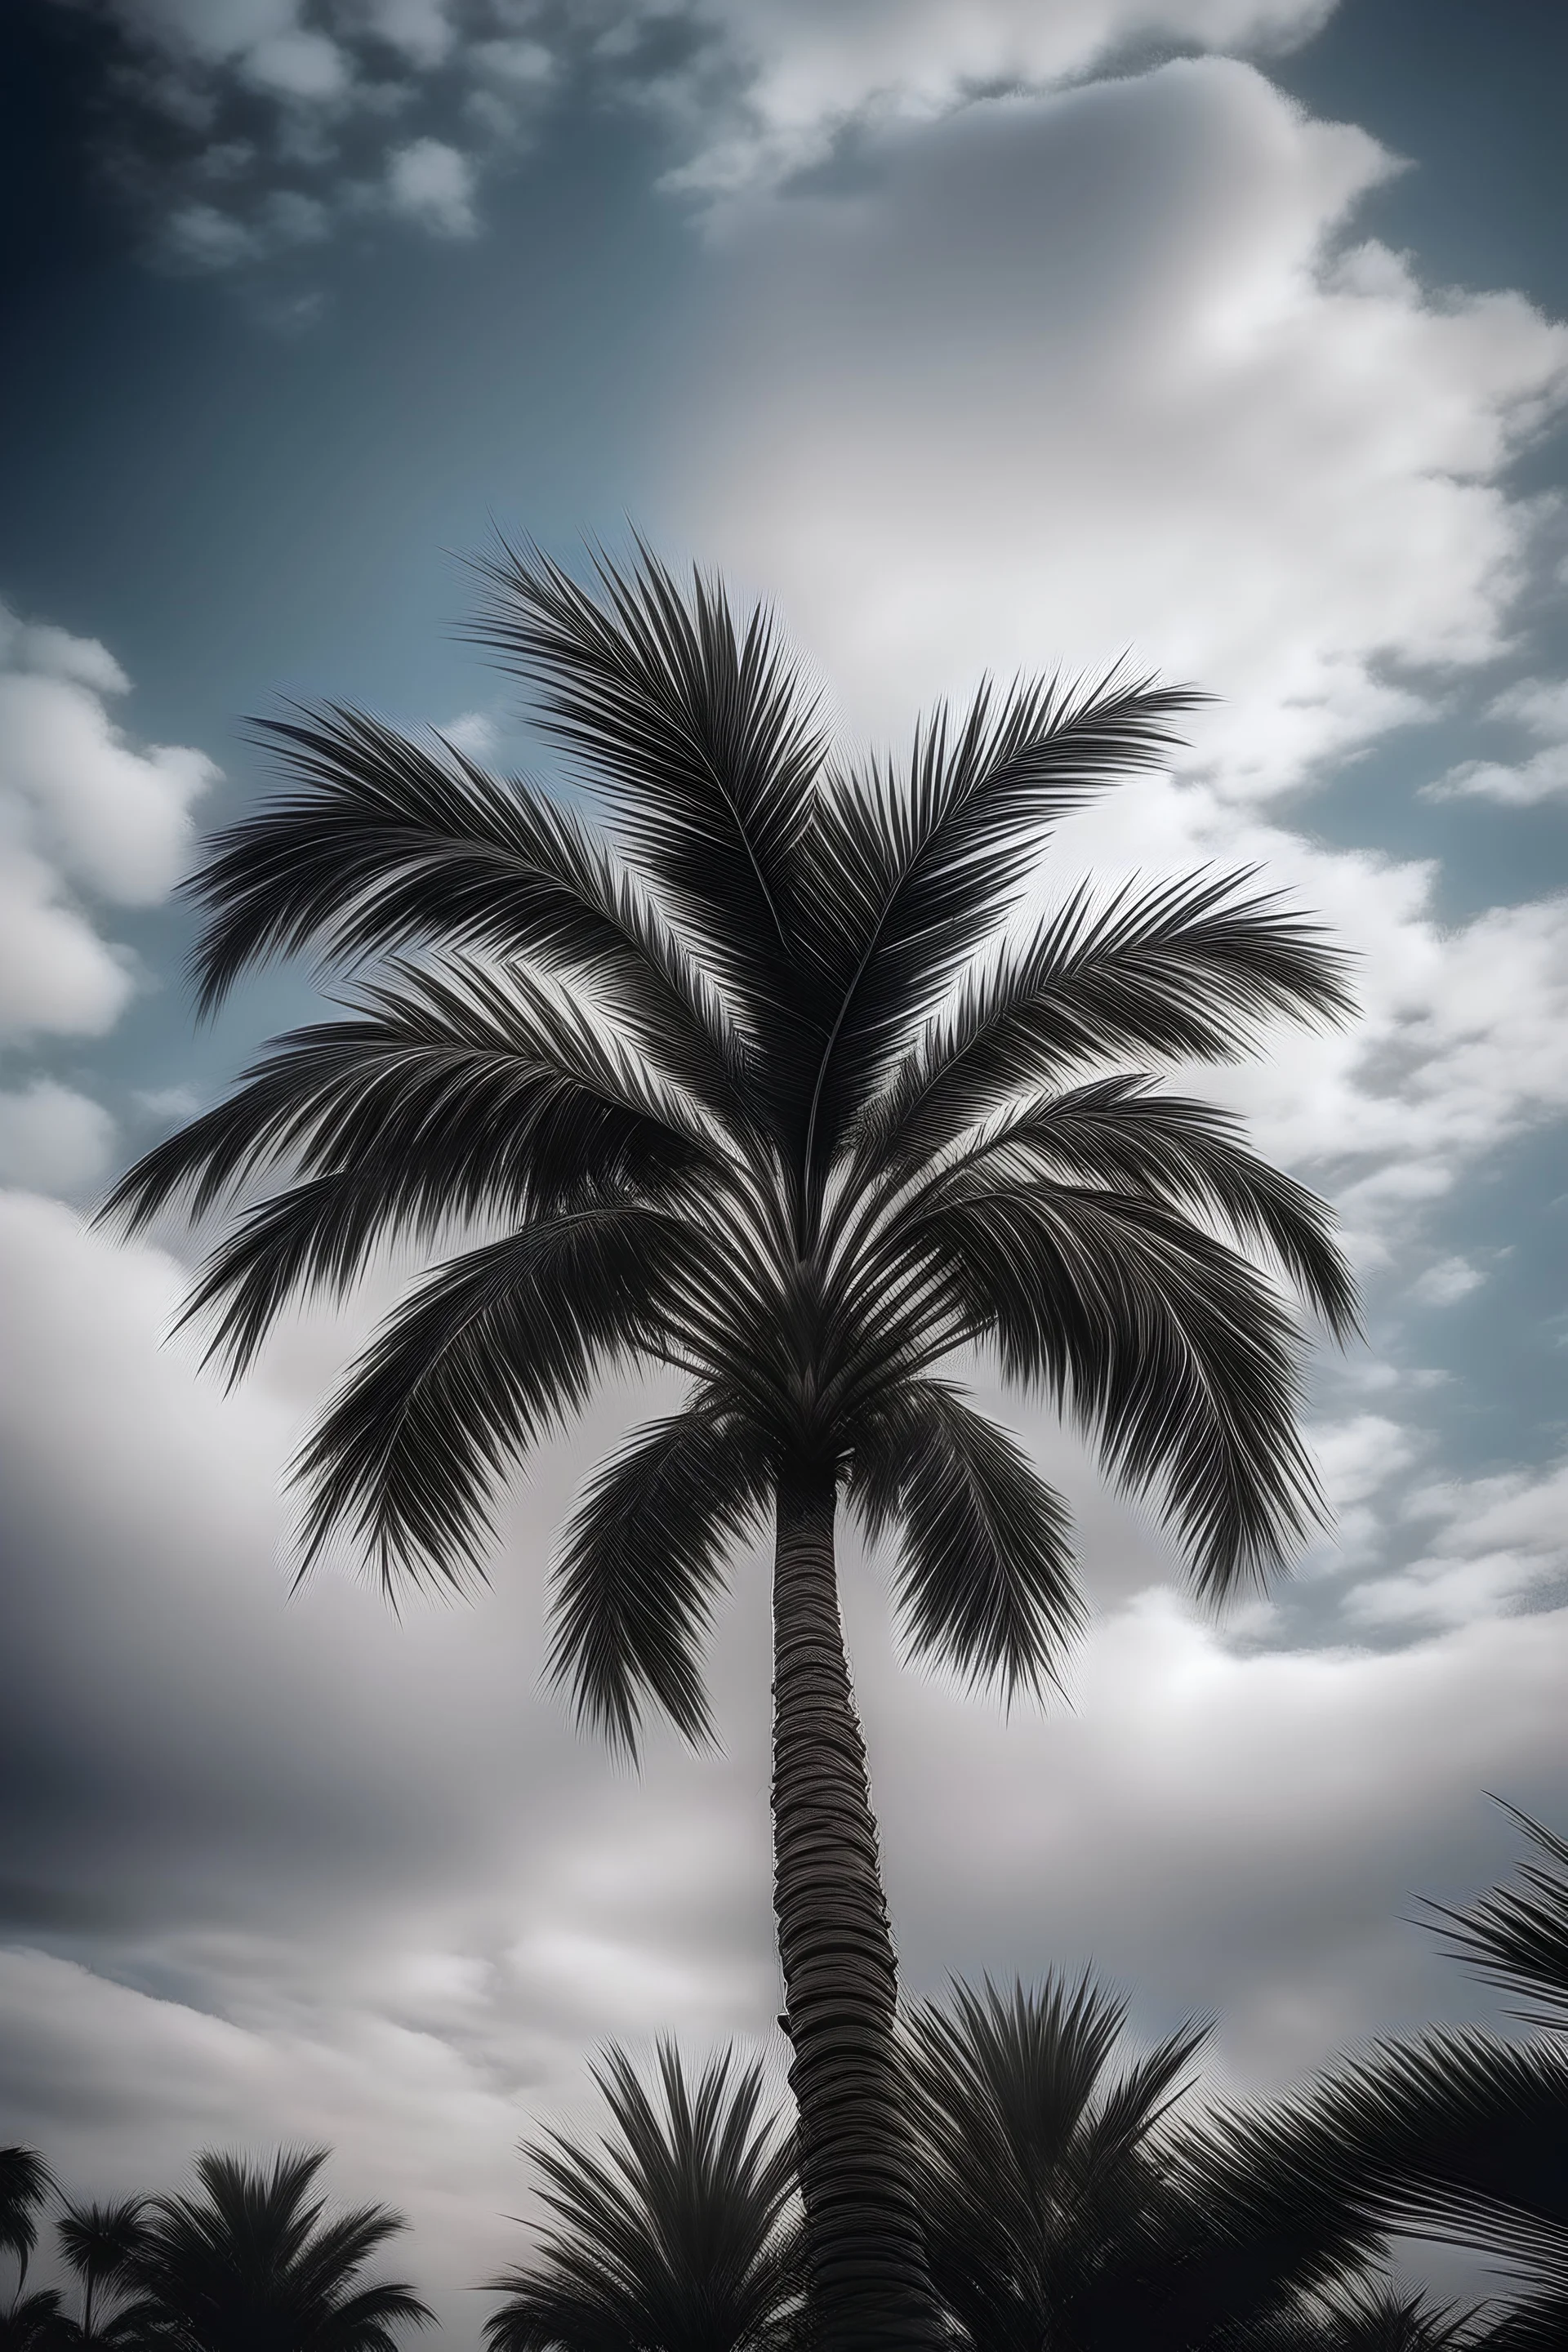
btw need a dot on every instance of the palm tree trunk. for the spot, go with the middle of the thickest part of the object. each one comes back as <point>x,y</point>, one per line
<point>868,2263</point>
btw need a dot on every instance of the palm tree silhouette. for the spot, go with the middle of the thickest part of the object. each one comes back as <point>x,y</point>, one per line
<point>1461,2136</point>
<point>1068,2204</point>
<point>250,2262</point>
<point>674,2234</point>
<point>757,1084</point>
<point>100,2244</point>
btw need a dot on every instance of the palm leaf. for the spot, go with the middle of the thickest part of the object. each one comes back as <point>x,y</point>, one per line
<point>910,875</point>
<point>697,732</point>
<point>26,2183</point>
<point>1184,970</point>
<point>1116,1134</point>
<point>641,1563</point>
<point>385,845</point>
<point>1518,1937</point>
<point>987,1569</point>
<point>488,1351</point>
<point>1167,1348</point>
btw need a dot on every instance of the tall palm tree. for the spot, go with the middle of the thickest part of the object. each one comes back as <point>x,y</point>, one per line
<point>26,2183</point>
<point>755,1085</point>
<point>673,2235</point>
<point>250,2262</point>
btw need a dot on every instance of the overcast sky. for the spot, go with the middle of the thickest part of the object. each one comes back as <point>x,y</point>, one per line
<point>972,332</point>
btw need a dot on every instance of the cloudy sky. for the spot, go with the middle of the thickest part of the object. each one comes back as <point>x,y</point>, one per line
<point>1006,332</point>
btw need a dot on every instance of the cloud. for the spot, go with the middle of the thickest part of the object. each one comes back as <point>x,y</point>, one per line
<point>52,1139</point>
<point>1540,707</point>
<point>84,813</point>
<point>433,183</point>
<point>1497,1543</point>
<point>1452,1278</point>
<point>800,78</point>
<point>1108,368</point>
<point>278,97</point>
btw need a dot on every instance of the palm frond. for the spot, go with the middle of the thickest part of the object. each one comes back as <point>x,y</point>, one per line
<point>1170,1350</point>
<point>641,1563</point>
<point>697,731</point>
<point>491,1349</point>
<point>911,874</point>
<point>1456,2138</point>
<point>1116,1134</point>
<point>1518,1937</point>
<point>459,1096</point>
<point>987,1569</point>
<point>672,2232</point>
<point>385,846</point>
<point>1186,969</point>
<point>25,2183</point>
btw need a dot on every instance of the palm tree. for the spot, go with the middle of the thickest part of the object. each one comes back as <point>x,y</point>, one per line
<point>1377,2317</point>
<point>36,2322</point>
<point>101,2245</point>
<point>25,2181</point>
<point>251,2263</point>
<point>753,1086</point>
<point>673,2235</point>
<point>1462,2137</point>
<point>1064,2207</point>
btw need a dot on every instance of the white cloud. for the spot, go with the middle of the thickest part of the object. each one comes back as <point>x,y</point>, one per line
<point>56,974</point>
<point>1499,1542</point>
<point>1540,707</point>
<point>52,1139</point>
<point>765,88</point>
<point>1102,370</point>
<point>473,732</point>
<point>433,183</point>
<point>81,813</point>
<point>82,810</point>
<point>1452,1278</point>
<point>806,71</point>
<point>113,817</point>
<point>420,29</point>
<point>171,1103</point>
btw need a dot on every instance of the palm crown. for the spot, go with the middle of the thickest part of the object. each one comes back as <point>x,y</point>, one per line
<point>675,2231</point>
<point>252,2262</point>
<point>763,1085</point>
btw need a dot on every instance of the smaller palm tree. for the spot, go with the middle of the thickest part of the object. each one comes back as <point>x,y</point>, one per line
<point>1461,2138</point>
<point>36,2322</point>
<point>1375,2317</point>
<point>677,2233</point>
<point>1064,2207</point>
<point>101,2245</point>
<point>25,2181</point>
<point>250,2262</point>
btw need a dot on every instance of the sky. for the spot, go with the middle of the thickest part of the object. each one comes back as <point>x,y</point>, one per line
<point>1232,334</point>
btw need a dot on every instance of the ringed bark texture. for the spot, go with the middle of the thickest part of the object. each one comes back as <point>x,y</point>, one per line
<point>869,2271</point>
